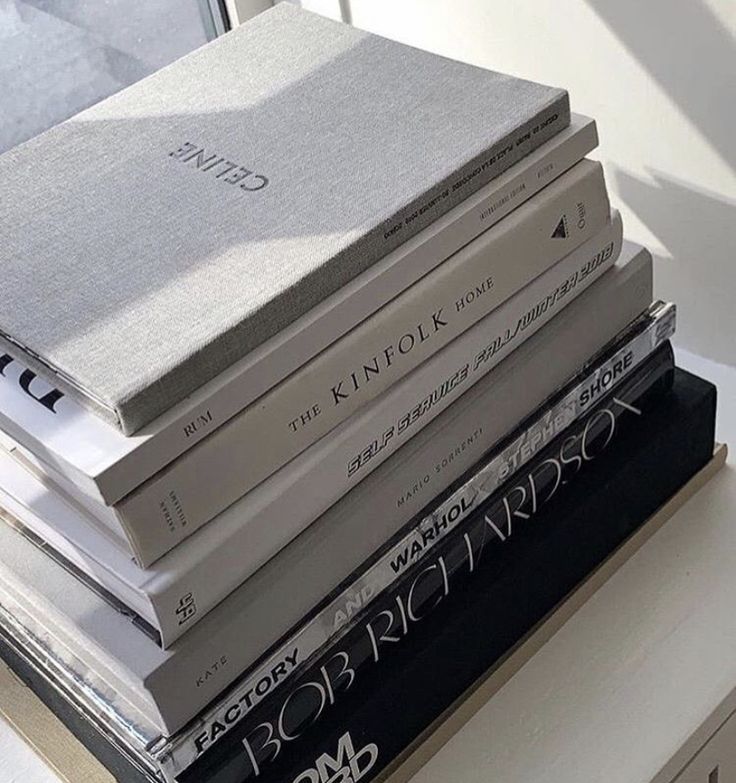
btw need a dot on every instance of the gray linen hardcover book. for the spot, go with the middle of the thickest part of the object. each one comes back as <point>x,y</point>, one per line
<point>186,220</point>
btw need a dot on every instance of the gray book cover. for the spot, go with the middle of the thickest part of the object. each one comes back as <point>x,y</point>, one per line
<point>153,240</point>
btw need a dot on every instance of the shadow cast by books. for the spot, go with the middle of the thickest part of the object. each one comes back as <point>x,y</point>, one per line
<point>696,227</point>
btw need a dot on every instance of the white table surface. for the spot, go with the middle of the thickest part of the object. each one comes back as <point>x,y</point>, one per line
<point>624,683</point>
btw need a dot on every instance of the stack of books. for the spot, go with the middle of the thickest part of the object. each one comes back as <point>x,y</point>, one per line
<point>326,374</point>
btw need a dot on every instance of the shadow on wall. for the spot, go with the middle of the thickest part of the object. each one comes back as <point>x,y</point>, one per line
<point>698,230</point>
<point>692,57</point>
<point>689,54</point>
<point>57,57</point>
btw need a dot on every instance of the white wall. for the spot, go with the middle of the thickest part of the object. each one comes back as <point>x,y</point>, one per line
<point>660,78</point>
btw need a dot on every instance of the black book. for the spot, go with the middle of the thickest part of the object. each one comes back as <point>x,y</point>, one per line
<point>393,702</point>
<point>361,706</point>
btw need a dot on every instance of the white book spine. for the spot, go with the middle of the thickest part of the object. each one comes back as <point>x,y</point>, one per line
<point>254,444</point>
<point>108,466</point>
<point>425,535</point>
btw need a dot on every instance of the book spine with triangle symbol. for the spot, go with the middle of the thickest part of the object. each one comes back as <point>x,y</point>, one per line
<point>560,231</point>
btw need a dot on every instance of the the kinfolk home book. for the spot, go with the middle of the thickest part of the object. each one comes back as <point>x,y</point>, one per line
<point>227,172</point>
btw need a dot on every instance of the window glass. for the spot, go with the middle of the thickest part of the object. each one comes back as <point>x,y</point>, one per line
<point>58,57</point>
